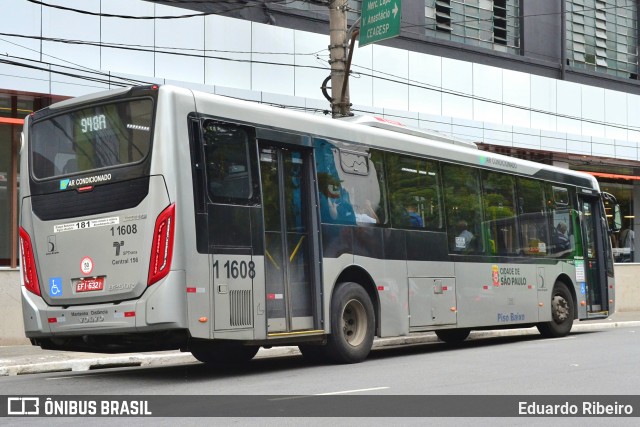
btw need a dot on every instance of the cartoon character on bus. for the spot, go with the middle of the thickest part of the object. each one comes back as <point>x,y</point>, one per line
<point>335,202</point>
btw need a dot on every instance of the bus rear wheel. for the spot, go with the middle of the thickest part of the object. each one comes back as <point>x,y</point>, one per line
<point>562,313</point>
<point>453,336</point>
<point>225,354</point>
<point>352,324</point>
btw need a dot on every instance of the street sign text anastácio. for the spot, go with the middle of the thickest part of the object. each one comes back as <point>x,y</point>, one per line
<point>380,20</point>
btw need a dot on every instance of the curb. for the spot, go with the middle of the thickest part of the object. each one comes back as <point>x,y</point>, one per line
<point>172,358</point>
<point>98,362</point>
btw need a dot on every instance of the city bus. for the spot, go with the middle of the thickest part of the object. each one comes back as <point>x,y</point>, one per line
<point>157,217</point>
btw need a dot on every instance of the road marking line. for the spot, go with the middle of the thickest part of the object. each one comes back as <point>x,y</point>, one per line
<point>328,394</point>
<point>545,340</point>
<point>351,391</point>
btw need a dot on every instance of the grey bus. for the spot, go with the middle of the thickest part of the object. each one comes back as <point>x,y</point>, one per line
<point>158,217</point>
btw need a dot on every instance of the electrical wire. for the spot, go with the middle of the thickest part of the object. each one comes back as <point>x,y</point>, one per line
<point>404,24</point>
<point>146,48</point>
<point>378,75</point>
<point>381,75</point>
<point>110,15</point>
<point>286,2</point>
<point>48,68</point>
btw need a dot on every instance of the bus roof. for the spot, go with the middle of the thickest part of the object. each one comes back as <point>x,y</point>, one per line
<point>396,126</point>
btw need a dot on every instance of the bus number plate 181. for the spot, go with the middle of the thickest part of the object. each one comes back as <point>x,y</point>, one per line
<point>90,284</point>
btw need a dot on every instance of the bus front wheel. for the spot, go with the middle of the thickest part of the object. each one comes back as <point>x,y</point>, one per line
<point>352,324</point>
<point>562,313</point>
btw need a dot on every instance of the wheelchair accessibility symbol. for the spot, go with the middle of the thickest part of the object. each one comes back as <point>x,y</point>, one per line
<point>55,286</point>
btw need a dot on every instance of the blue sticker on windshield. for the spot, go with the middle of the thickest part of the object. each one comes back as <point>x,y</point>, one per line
<point>63,184</point>
<point>55,286</point>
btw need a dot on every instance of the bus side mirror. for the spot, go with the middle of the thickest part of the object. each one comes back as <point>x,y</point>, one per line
<point>617,218</point>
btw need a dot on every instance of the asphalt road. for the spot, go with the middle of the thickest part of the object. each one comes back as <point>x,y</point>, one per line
<point>592,362</point>
<point>597,362</point>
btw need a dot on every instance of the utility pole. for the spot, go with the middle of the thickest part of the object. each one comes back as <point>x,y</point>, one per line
<point>340,104</point>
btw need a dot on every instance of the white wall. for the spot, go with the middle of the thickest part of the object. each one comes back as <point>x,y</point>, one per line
<point>11,328</point>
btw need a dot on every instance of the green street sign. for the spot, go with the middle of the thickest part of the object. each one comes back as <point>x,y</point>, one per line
<point>380,19</point>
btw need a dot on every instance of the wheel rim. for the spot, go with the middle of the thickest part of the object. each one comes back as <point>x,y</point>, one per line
<point>354,322</point>
<point>560,308</point>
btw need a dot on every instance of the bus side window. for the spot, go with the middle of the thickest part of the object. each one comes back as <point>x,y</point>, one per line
<point>560,222</point>
<point>335,204</point>
<point>415,189</point>
<point>499,213</point>
<point>532,217</point>
<point>464,216</point>
<point>227,161</point>
<point>362,176</point>
<point>350,185</point>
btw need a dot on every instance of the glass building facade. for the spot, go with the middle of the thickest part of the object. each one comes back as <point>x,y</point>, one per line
<point>602,36</point>
<point>461,67</point>
<point>493,24</point>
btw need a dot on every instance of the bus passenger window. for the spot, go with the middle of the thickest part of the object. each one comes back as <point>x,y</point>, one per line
<point>415,189</point>
<point>350,185</point>
<point>362,177</point>
<point>335,204</point>
<point>227,160</point>
<point>561,217</point>
<point>464,214</point>
<point>499,213</point>
<point>532,217</point>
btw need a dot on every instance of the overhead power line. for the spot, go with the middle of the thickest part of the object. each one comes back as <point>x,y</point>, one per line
<point>146,48</point>
<point>287,2</point>
<point>191,15</point>
<point>62,70</point>
<point>108,78</point>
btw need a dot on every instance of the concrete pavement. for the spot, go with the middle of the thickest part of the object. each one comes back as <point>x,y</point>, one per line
<point>25,359</point>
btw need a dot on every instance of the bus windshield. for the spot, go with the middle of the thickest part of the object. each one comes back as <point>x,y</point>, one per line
<point>95,137</point>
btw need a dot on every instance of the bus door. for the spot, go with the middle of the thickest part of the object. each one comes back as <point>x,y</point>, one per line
<point>591,269</point>
<point>290,275</point>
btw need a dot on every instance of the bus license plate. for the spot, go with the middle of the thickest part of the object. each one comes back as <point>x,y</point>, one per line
<point>89,285</point>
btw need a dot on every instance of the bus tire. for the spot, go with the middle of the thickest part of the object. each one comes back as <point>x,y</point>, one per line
<point>352,324</point>
<point>226,354</point>
<point>562,313</point>
<point>453,336</point>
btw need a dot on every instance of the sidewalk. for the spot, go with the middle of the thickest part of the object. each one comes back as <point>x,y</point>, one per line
<point>25,359</point>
